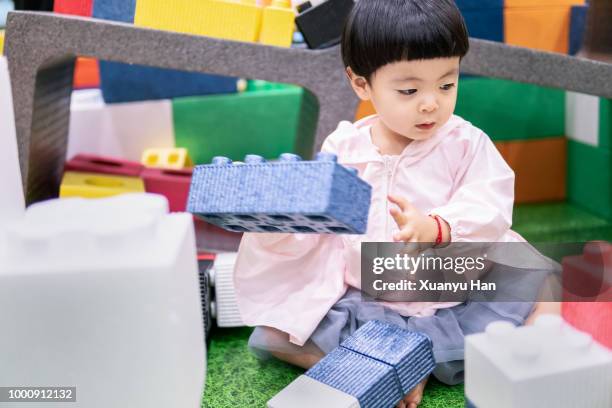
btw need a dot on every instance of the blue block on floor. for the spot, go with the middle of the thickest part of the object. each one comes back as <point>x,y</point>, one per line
<point>409,353</point>
<point>372,382</point>
<point>577,27</point>
<point>130,83</point>
<point>289,195</point>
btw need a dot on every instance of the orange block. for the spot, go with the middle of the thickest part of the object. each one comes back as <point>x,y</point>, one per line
<point>539,166</point>
<point>539,3</point>
<point>541,28</point>
<point>86,73</point>
<point>365,108</point>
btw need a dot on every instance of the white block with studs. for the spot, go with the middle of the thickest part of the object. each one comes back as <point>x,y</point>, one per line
<point>549,364</point>
<point>103,295</point>
<point>225,306</point>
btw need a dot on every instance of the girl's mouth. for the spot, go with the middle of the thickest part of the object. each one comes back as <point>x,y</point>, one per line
<point>426,126</point>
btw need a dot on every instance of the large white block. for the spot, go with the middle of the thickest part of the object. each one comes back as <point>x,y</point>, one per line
<point>582,118</point>
<point>12,201</point>
<point>549,364</point>
<point>122,130</point>
<point>103,295</point>
<point>305,392</point>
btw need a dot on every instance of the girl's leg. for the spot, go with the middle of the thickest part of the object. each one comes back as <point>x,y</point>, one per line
<point>277,343</point>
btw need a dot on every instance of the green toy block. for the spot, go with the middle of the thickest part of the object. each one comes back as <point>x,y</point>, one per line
<point>605,123</point>
<point>589,178</point>
<point>559,222</point>
<point>266,121</point>
<point>507,110</point>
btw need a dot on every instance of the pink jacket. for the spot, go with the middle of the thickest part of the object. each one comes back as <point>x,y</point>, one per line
<point>290,281</point>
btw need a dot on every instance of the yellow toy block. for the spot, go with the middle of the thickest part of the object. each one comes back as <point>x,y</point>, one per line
<point>232,20</point>
<point>1,42</point>
<point>541,28</point>
<point>170,158</point>
<point>92,185</point>
<point>277,24</point>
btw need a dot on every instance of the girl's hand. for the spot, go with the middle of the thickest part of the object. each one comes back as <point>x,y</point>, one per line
<point>413,225</point>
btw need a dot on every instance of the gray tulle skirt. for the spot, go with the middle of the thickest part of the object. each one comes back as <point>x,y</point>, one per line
<point>447,329</point>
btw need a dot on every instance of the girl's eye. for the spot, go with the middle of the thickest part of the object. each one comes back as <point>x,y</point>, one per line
<point>407,91</point>
<point>447,87</point>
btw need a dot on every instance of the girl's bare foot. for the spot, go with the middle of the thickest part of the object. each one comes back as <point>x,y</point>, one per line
<point>414,397</point>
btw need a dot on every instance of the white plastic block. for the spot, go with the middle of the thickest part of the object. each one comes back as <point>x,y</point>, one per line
<point>549,364</point>
<point>582,118</point>
<point>122,130</point>
<point>12,202</point>
<point>225,306</point>
<point>103,295</point>
<point>305,392</point>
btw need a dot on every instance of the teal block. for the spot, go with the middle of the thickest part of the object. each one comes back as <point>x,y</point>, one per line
<point>265,121</point>
<point>589,178</point>
<point>507,110</point>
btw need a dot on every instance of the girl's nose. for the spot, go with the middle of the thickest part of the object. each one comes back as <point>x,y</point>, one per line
<point>428,105</point>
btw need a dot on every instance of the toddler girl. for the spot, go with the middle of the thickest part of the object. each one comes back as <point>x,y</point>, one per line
<point>434,176</point>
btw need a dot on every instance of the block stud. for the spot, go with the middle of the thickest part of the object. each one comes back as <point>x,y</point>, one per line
<point>289,157</point>
<point>221,160</point>
<point>253,159</point>
<point>329,157</point>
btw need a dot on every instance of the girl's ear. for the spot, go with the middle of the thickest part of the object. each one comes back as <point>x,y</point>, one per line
<point>359,84</point>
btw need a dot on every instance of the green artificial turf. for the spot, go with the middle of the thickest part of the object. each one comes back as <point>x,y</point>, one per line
<point>236,378</point>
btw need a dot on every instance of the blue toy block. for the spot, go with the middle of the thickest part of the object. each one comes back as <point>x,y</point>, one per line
<point>409,353</point>
<point>577,27</point>
<point>372,382</point>
<point>129,83</point>
<point>289,195</point>
<point>486,24</point>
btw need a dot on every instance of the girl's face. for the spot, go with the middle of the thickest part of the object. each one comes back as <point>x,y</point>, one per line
<point>412,98</point>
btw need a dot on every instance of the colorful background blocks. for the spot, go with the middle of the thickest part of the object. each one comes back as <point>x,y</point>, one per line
<point>267,123</point>
<point>594,318</point>
<point>90,163</point>
<point>290,195</point>
<point>277,24</point>
<point>578,16</point>
<point>484,19</point>
<point>173,184</point>
<point>92,185</point>
<point>75,7</point>
<point>170,158</point>
<point>1,42</point>
<point>539,166</point>
<point>127,83</point>
<point>321,24</point>
<point>86,73</point>
<point>231,20</point>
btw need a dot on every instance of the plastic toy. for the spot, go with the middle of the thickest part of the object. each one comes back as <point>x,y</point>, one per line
<point>173,184</point>
<point>286,196</point>
<point>587,279</point>
<point>277,23</point>
<point>12,202</point>
<point>284,116</point>
<point>75,7</point>
<point>1,42</point>
<point>205,262</point>
<point>86,73</point>
<point>129,83</point>
<point>549,364</point>
<point>239,21</point>
<point>224,307</point>
<point>377,366</point>
<point>321,25</point>
<point>577,26</point>
<point>118,130</point>
<point>109,291</point>
<point>92,185</point>
<point>173,158</point>
<point>484,19</point>
<point>90,163</point>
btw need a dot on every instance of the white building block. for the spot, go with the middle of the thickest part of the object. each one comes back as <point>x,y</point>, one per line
<point>12,202</point>
<point>225,306</point>
<point>549,364</point>
<point>305,392</point>
<point>582,118</point>
<point>102,295</point>
<point>122,130</point>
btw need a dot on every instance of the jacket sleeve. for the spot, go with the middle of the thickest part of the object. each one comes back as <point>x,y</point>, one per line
<point>480,208</point>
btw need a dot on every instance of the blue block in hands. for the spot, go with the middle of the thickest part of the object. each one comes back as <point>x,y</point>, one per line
<point>372,382</point>
<point>130,83</point>
<point>409,353</point>
<point>289,195</point>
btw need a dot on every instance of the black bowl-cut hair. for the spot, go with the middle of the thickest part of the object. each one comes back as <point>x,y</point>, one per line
<point>379,32</point>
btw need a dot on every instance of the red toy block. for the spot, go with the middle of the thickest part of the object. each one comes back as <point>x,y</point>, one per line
<point>588,278</point>
<point>90,163</point>
<point>74,7</point>
<point>173,184</point>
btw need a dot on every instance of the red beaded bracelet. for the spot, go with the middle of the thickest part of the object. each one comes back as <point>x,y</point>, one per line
<point>439,237</point>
